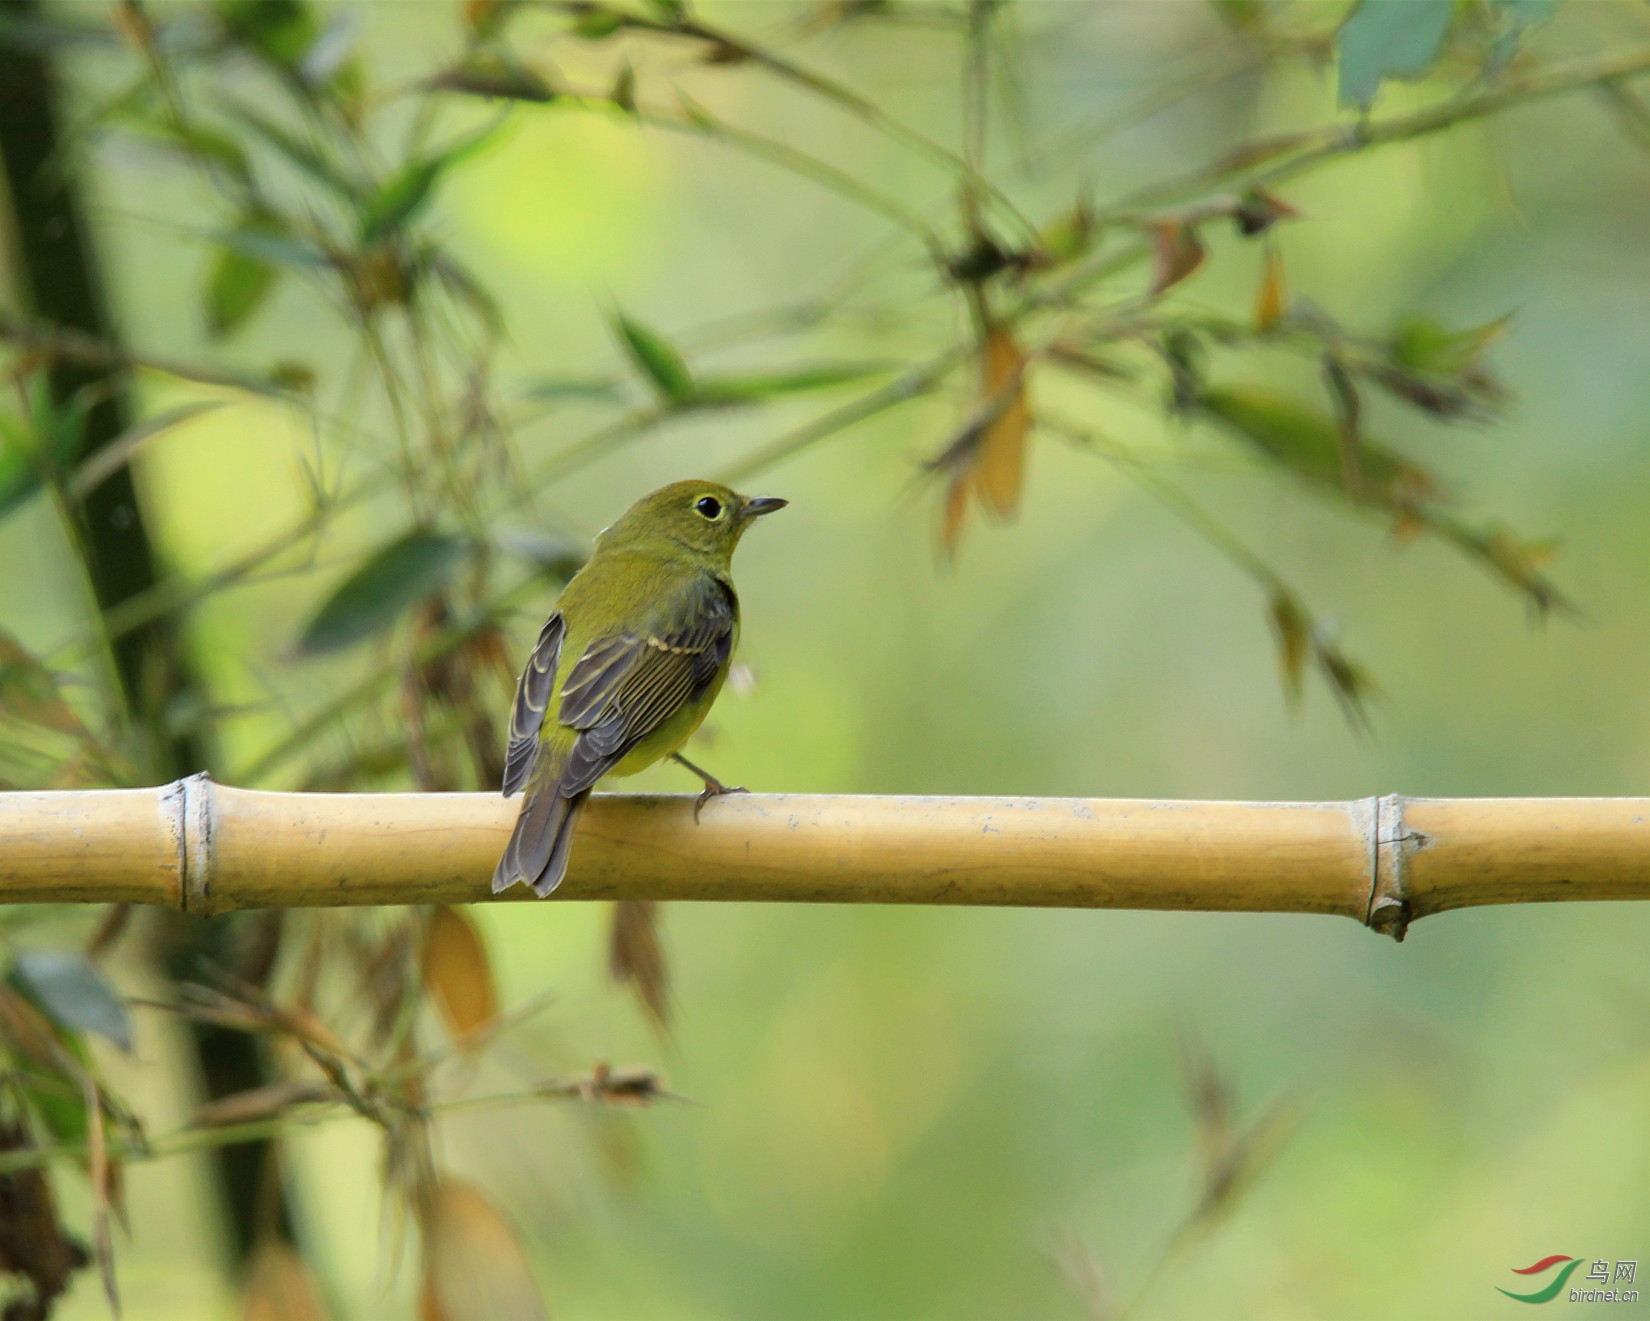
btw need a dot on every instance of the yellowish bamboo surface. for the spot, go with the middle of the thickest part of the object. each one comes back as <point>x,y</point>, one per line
<point>207,847</point>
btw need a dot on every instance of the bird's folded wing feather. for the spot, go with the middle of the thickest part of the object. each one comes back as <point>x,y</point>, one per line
<point>628,684</point>
<point>532,700</point>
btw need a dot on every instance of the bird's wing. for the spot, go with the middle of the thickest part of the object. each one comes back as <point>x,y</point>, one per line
<point>628,684</point>
<point>532,700</point>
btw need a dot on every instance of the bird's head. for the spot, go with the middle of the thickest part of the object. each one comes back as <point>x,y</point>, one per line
<point>702,516</point>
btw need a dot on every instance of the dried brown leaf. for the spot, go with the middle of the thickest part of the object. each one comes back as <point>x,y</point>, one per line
<point>258,1103</point>
<point>1209,1097</point>
<point>474,1266</point>
<point>956,511</point>
<point>97,1172</point>
<point>32,1242</point>
<point>110,927</point>
<point>1269,302</point>
<point>29,692</point>
<point>636,957</point>
<point>1293,626</point>
<point>279,1288</point>
<point>458,975</point>
<point>1350,682</point>
<point>28,1032</point>
<point>309,1030</point>
<point>1177,251</point>
<point>999,466</point>
<point>1349,412</point>
<point>1258,210</point>
<point>633,1086</point>
<point>1247,1155</point>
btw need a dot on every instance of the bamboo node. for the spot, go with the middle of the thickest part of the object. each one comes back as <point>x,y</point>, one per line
<point>198,856</point>
<point>1390,911</point>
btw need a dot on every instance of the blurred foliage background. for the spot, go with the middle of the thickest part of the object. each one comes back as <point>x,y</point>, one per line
<point>1117,359</point>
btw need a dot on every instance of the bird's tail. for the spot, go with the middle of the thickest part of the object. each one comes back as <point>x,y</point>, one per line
<point>538,851</point>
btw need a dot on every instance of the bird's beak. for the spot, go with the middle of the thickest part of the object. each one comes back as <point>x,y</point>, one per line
<point>763,504</point>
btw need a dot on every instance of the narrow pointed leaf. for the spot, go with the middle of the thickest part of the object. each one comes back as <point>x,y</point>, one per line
<point>261,1103</point>
<point>1177,251</point>
<point>1426,346</point>
<point>659,361</point>
<point>474,1267</point>
<point>280,1288</point>
<point>458,974</point>
<point>636,957</point>
<point>29,691</point>
<point>404,194</point>
<point>999,469</point>
<point>497,77</point>
<point>1311,445</point>
<point>1293,627</point>
<point>374,596</point>
<point>1388,39</point>
<point>74,992</point>
<point>189,140</point>
<point>1269,301</point>
<point>741,389</point>
<point>309,159</point>
<point>566,387</point>
<point>19,468</point>
<point>235,290</point>
<point>466,289</point>
<point>280,30</point>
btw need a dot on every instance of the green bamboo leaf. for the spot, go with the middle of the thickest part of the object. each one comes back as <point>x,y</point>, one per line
<point>568,387</point>
<point>49,442</point>
<point>280,30</point>
<point>1388,39</point>
<point>623,92</point>
<point>397,576</point>
<point>404,194</point>
<point>492,75</point>
<point>58,1103</point>
<point>598,22</point>
<point>274,246</point>
<point>463,286</point>
<point>742,389</point>
<point>29,691</point>
<point>1310,445</point>
<point>240,281</point>
<point>309,159</point>
<point>658,360</point>
<point>188,140</point>
<point>1427,346</point>
<point>19,470</point>
<point>71,989</point>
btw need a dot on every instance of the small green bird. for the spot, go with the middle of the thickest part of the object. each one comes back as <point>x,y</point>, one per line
<point>631,659</point>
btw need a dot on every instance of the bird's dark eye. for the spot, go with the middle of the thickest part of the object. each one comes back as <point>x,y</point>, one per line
<point>710,507</point>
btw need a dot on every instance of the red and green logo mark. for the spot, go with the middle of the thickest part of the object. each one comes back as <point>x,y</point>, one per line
<point>1553,1288</point>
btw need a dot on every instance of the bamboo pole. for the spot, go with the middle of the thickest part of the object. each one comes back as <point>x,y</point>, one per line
<point>205,848</point>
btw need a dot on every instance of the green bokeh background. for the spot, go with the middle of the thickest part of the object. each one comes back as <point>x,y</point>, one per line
<point>903,1113</point>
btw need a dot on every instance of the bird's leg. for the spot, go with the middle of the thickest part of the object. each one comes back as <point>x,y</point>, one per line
<point>713,786</point>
